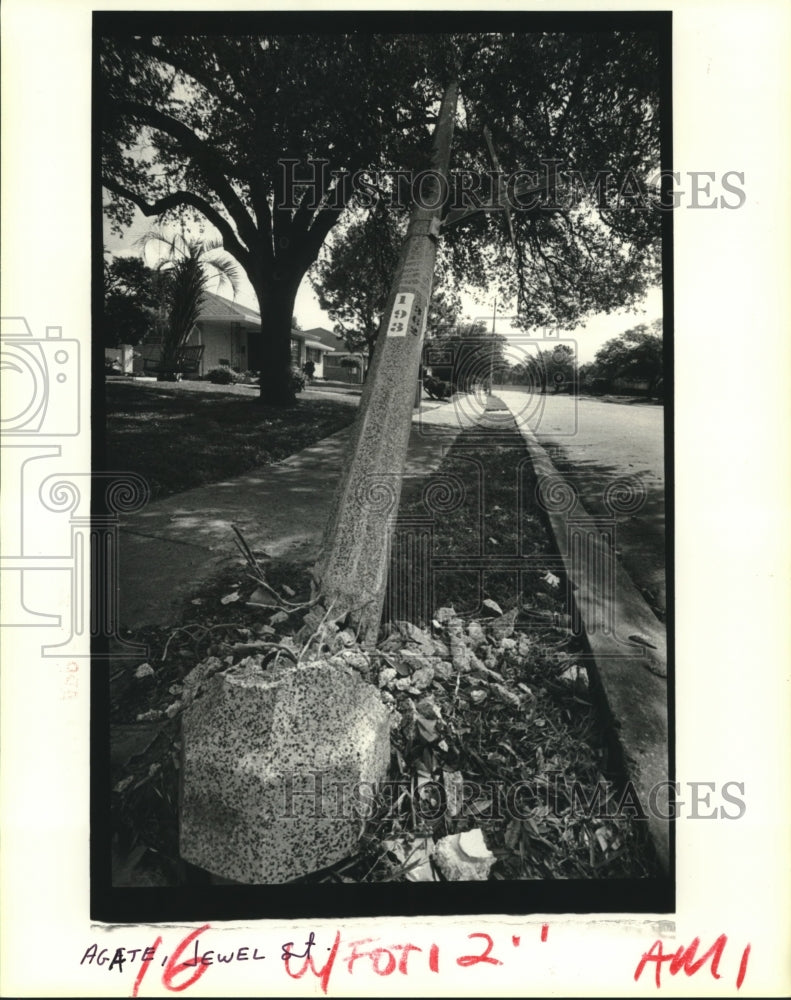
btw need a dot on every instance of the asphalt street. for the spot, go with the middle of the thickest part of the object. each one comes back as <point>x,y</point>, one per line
<point>610,452</point>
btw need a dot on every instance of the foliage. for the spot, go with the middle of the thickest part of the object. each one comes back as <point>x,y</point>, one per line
<point>223,375</point>
<point>133,296</point>
<point>191,265</point>
<point>636,355</point>
<point>437,389</point>
<point>552,369</point>
<point>476,700</point>
<point>589,379</point>
<point>444,309</point>
<point>352,281</point>
<point>226,374</point>
<point>201,126</point>
<point>299,379</point>
<point>589,102</point>
<point>469,356</point>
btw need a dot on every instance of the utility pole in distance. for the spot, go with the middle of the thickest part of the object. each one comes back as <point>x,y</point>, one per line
<point>485,319</point>
<point>494,347</point>
<point>353,568</point>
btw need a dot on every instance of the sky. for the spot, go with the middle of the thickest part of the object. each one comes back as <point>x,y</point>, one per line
<point>598,328</point>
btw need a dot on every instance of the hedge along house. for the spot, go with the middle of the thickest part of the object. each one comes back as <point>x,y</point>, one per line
<point>230,334</point>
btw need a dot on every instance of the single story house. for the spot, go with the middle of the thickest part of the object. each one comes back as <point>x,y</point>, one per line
<point>339,365</point>
<point>317,345</point>
<point>230,334</point>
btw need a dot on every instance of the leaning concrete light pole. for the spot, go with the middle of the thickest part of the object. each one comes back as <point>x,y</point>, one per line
<point>352,571</point>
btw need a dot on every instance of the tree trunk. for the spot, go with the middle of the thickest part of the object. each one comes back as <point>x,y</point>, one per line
<point>276,303</point>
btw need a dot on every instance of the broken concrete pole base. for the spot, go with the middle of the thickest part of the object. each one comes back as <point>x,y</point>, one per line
<point>276,768</point>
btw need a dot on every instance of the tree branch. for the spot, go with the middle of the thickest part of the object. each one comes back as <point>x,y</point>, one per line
<point>257,189</point>
<point>535,239</point>
<point>327,217</point>
<point>263,217</point>
<point>206,158</point>
<point>229,239</point>
<point>145,46</point>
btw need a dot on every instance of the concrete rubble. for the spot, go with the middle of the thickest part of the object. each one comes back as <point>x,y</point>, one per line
<point>464,857</point>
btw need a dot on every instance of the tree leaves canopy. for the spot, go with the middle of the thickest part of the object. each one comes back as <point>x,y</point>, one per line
<point>133,296</point>
<point>203,124</point>
<point>218,116</point>
<point>353,276</point>
<point>583,110</point>
<point>353,279</point>
<point>636,354</point>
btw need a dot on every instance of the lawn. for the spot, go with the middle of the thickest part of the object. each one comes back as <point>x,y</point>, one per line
<point>178,438</point>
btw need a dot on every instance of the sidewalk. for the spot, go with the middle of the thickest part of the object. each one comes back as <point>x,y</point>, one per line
<point>172,545</point>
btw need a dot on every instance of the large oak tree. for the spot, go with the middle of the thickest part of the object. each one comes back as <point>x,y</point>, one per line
<point>217,126</point>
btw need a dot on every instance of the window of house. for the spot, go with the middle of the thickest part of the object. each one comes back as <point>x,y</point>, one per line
<point>313,354</point>
<point>295,351</point>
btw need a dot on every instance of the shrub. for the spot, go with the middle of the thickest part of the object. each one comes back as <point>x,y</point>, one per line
<point>599,386</point>
<point>222,375</point>
<point>436,388</point>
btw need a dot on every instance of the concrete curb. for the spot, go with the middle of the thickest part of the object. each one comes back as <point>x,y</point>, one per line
<point>632,671</point>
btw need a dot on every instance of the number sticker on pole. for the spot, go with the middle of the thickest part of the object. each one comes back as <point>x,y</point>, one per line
<point>399,318</point>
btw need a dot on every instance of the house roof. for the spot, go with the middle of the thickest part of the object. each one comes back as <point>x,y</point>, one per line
<point>328,339</point>
<point>317,344</point>
<point>217,307</point>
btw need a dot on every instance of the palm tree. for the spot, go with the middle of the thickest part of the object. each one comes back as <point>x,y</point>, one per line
<point>190,266</point>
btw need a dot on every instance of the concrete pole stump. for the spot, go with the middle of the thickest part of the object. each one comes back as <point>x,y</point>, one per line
<point>277,768</point>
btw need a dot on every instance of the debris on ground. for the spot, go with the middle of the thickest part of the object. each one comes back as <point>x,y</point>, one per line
<point>499,753</point>
<point>492,733</point>
<point>464,857</point>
